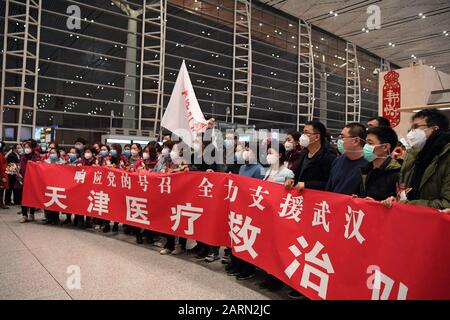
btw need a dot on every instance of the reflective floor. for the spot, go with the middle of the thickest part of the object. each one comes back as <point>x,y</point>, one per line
<point>38,261</point>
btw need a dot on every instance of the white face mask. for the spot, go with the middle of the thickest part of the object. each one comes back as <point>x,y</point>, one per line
<point>304,141</point>
<point>88,156</point>
<point>146,155</point>
<point>27,150</point>
<point>165,152</point>
<point>134,152</point>
<point>20,151</point>
<point>416,138</point>
<point>289,146</point>
<point>272,159</point>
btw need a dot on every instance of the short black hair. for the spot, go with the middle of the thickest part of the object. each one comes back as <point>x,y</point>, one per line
<point>433,117</point>
<point>320,128</point>
<point>385,135</point>
<point>382,121</point>
<point>357,129</point>
<point>295,134</point>
<point>81,140</point>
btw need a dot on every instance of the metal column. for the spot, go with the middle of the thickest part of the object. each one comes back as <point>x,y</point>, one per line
<point>305,75</point>
<point>242,60</point>
<point>153,44</point>
<point>352,85</point>
<point>21,48</point>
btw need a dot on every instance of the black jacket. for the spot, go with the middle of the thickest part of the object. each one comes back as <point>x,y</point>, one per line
<point>316,174</point>
<point>380,183</point>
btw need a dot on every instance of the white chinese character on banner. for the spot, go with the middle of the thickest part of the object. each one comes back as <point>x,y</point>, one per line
<point>137,210</point>
<point>126,181</point>
<point>320,212</point>
<point>80,176</point>
<point>205,188</point>
<point>292,207</point>
<point>193,213</point>
<point>232,191</point>
<point>55,197</point>
<point>380,278</point>
<point>355,218</point>
<point>97,177</point>
<point>165,185</point>
<point>258,197</point>
<point>111,179</point>
<point>243,232</point>
<point>143,182</point>
<point>391,100</point>
<point>99,202</point>
<point>312,257</point>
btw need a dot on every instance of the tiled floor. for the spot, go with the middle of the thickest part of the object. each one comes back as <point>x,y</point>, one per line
<point>34,262</point>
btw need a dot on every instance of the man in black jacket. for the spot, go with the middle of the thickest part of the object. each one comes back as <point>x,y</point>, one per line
<point>314,164</point>
<point>379,179</point>
<point>313,167</point>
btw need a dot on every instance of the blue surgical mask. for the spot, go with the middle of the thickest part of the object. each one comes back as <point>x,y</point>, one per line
<point>72,156</point>
<point>103,154</point>
<point>127,152</point>
<point>79,148</point>
<point>340,146</point>
<point>53,157</point>
<point>113,153</point>
<point>368,152</point>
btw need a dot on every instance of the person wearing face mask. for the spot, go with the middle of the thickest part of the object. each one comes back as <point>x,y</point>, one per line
<point>165,156</point>
<point>147,164</point>
<point>103,158</point>
<point>292,146</point>
<point>127,151</point>
<point>203,251</point>
<point>79,144</point>
<point>63,154</point>
<point>175,164</point>
<point>87,159</point>
<point>135,156</point>
<point>278,171</point>
<point>54,157</point>
<point>237,267</point>
<point>30,154</point>
<point>13,159</point>
<point>314,164</point>
<point>425,173</point>
<point>119,161</point>
<point>379,179</point>
<point>73,159</point>
<point>345,170</point>
<point>4,180</point>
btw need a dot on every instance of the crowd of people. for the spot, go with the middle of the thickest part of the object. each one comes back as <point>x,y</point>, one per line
<point>368,161</point>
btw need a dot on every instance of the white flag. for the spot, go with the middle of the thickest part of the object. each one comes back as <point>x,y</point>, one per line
<point>183,115</point>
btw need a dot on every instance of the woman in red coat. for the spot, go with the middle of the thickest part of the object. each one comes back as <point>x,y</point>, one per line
<point>3,175</point>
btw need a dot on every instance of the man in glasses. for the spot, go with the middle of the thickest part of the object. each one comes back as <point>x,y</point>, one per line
<point>425,173</point>
<point>345,170</point>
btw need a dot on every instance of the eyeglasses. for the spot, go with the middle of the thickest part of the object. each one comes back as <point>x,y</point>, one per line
<point>417,126</point>
<point>341,136</point>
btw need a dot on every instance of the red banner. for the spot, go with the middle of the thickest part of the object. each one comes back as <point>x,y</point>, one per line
<point>325,245</point>
<point>391,98</point>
